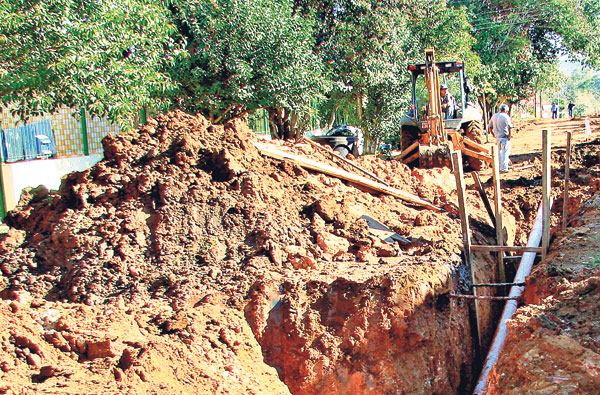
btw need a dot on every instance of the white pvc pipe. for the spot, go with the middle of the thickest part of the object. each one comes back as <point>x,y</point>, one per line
<point>511,306</point>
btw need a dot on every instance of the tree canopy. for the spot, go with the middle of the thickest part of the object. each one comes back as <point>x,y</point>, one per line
<point>106,56</point>
<point>294,59</point>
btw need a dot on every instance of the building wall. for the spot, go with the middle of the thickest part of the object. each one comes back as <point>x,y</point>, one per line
<point>48,172</point>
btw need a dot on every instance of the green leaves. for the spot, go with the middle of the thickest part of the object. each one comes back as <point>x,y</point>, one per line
<point>227,58</point>
<point>73,53</point>
<point>244,55</point>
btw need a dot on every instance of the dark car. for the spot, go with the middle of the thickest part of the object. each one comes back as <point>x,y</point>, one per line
<point>343,139</point>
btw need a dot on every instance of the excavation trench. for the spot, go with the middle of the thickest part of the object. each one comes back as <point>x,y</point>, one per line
<point>397,332</point>
<point>243,273</point>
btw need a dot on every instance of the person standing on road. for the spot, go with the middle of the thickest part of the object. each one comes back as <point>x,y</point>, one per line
<point>570,107</point>
<point>554,110</point>
<point>501,125</point>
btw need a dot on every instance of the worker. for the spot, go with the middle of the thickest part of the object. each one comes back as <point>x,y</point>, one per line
<point>448,102</point>
<point>501,125</point>
<point>554,111</point>
<point>570,107</point>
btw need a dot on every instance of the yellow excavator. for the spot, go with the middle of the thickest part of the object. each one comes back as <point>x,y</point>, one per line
<point>436,126</point>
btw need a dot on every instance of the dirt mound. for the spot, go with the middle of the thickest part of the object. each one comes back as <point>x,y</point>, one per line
<point>174,234</point>
<point>181,206</point>
<point>553,344</point>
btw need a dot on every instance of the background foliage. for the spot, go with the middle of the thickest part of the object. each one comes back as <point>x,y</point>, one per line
<point>300,62</point>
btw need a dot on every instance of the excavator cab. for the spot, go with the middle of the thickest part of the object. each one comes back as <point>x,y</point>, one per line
<point>442,118</point>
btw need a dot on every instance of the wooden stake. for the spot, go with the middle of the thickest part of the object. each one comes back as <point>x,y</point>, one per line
<point>466,233</point>
<point>566,191</point>
<point>546,171</point>
<point>498,210</point>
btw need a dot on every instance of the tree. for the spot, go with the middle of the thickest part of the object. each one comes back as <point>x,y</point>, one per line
<point>517,40</point>
<point>369,44</point>
<point>245,55</point>
<point>108,57</point>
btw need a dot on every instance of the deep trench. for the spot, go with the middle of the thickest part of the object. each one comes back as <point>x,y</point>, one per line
<point>329,338</point>
<point>357,338</point>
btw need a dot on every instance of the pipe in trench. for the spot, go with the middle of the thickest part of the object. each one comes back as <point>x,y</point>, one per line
<point>511,306</point>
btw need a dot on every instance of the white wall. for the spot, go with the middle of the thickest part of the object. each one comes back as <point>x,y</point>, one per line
<point>47,172</point>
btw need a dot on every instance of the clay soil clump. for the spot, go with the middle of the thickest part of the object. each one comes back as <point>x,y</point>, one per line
<point>187,262</point>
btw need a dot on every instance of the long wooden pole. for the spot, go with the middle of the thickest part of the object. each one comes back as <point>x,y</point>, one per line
<point>566,191</point>
<point>332,153</point>
<point>484,198</point>
<point>498,210</point>
<point>466,232</point>
<point>546,170</point>
<point>364,182</point>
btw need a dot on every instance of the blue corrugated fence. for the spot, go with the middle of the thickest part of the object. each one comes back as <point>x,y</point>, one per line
<point>28,142</point>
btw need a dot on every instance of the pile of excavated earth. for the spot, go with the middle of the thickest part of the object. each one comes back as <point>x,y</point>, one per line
<point>188,262</point>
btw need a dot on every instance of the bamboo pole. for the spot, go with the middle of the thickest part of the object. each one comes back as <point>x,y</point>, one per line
<point>566,190</point>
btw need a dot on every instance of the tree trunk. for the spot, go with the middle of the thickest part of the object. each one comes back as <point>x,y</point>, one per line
<point>331,119</point>
<point>282,123</point>
<point>363,124</point>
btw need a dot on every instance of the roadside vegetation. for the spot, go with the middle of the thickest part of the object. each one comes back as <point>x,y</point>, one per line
<point>300,62</point>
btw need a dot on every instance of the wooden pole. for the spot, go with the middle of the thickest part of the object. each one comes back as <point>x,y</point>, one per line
<point>546,170</point>
<point>268,150</point>
<point>485,120</point>
<point>498,210</point>
<point>466,233</point>
<point>332,153</point>
<point>566,191</point>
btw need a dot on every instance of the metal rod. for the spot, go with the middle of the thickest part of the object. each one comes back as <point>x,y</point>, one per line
<point>511,306</point>
<point>566,191</point>
<point>483,297</point>
<point>497,284</point>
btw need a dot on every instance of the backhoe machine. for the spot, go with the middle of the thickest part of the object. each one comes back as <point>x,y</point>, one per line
<point>430,131</point>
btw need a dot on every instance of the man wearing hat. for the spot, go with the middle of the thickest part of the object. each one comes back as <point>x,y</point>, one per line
<point>448,102</point>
